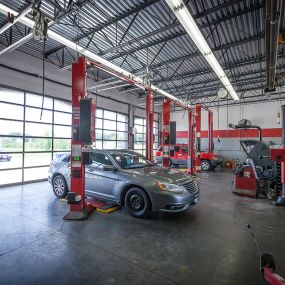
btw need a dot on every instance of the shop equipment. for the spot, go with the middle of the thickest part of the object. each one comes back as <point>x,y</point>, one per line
<point>258,174</point>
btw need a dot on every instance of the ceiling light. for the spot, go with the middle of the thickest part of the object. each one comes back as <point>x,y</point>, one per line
<point>187,21</point>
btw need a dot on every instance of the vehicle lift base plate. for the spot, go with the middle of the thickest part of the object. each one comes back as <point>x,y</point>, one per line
<point>76,215</point>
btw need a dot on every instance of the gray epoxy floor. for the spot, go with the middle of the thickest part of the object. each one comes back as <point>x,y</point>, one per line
<point>208,244</point>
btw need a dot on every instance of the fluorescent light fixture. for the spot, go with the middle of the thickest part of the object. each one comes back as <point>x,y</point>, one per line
<point>187,21</point>
<point>55,36</point>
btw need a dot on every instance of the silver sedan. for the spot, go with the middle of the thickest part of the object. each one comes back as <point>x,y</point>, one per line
<point>127,178</point>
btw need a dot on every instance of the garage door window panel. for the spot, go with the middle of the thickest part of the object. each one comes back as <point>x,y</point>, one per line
<point>38,144</point>
<point>62,118</point>
<point>36,173</point>
<point>37,159</point>
<point>14,128</point>
<point>37,101</point>
<point>38,130</point>
<point>34,115</point>
<point>62,131</point>
<point>62,106</point>
<point>11,160</point>
<point>110,125</point>
<point>10,176</point>
<point>110,115</point>
<point>11,144</point>
<point>61,144</point>
<point>109,144</point>
<point>122,136</point>
<point>11,96</point>
<point>11,111</point>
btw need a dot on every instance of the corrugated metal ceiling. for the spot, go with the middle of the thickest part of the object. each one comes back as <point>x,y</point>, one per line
<point>134,38</point>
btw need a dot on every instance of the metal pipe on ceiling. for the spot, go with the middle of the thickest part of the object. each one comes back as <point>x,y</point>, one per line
<point>17,44</point>
<point>104,84</point>
<point>19,16</point>
<point>272,26</point>
<point>113,87</point>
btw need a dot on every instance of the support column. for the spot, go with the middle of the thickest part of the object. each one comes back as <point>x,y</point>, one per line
<point>191,146</point>
<point>198,137</point>
<point>78,210</point>
<point>210,132</point>
<point>149,124</point>
<point>166,133</point>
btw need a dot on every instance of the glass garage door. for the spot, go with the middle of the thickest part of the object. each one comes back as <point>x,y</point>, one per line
<point>31,136</point>
<point>140,136</point>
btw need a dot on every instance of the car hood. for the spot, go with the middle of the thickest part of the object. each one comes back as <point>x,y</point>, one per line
<point>165,175</point>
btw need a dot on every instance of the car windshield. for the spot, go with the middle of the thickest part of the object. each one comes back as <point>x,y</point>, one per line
<point>130,160</point>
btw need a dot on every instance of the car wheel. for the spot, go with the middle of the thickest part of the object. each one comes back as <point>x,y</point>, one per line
<point>206,165</point>
<point>137,203</point>
<point>59,186</point>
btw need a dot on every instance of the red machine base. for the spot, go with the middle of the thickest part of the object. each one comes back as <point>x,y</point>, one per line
<point>244,184</point>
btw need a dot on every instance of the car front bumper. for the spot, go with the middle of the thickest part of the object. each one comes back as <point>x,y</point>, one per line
<point>170,202</point>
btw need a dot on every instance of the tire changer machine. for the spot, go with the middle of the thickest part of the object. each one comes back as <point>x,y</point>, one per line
<point>260,174</point>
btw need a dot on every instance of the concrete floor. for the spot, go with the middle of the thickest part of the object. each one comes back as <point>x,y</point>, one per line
<point>208,244</point>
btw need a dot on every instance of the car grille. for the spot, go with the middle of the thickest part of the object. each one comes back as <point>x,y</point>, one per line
<point>191,186</point>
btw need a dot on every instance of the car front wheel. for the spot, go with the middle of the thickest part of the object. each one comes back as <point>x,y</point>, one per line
<point>137,203</point>
<point>206,165</point>
<point>59,186</point>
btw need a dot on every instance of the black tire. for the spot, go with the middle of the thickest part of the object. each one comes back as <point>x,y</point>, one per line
<point>137,203</point>
<point>206,165</point>
<point>59,186</point>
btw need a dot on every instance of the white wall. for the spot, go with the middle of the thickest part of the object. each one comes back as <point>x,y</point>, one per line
<point>32,64</point>
<point>261,114</point>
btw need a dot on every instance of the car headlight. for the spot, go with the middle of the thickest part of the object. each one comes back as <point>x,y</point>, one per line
<point>170,187</point>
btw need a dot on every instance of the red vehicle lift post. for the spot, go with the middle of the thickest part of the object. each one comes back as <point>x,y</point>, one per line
<point>191,146</point>
<point>210,132</point>
<point>80,207</point>
<point>149,124</point>
<point>197,129</point>
<point>166,133</point>
<point>198,116</point>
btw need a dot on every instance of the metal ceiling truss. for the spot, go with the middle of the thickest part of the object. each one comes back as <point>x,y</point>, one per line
<point>129,47</point>
<point>108,23</point>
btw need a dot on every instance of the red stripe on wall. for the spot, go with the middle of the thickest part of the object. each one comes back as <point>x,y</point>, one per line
<point>266,133</point>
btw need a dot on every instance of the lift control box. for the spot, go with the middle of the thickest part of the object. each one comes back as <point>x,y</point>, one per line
<point>87,120</point>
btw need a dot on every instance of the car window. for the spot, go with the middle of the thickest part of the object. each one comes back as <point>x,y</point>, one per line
<point>176,148</point>
<point>184,149</point>
<point>100,160</point>
<point>66,159</point>
<point>128,160</point>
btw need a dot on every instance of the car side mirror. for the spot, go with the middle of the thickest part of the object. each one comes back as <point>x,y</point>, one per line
<point>109,168</point>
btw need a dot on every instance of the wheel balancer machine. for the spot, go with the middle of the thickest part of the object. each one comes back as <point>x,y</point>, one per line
<point>259,175</point>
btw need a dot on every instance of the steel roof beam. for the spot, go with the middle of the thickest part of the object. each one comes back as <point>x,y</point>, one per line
<point>209,70</point>
<point>107,23</point>
<point>195,54</point>
<point>215,81</point>
<point>179,34</point>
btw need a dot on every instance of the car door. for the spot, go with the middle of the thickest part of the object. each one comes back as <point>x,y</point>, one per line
<point>184,152</point>
<point>100,183</point>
